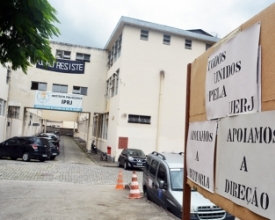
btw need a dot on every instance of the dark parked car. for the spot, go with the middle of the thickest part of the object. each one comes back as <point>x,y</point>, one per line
<point>130,158</point>
<point>26,148</point>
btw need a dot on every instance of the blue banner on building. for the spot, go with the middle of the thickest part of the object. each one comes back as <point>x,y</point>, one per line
<point>64,66</point>
<point>58,101</point>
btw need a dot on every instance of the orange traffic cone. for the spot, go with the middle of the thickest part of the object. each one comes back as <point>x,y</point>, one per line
<point>119,184</point>
<point>134,188</point>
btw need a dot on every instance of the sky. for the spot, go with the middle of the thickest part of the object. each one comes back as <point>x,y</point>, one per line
<point>91,22</point>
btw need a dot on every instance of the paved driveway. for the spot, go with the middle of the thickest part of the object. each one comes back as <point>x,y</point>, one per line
<point>70,187</point>
<point>35,200</point>
<point>72,165</point>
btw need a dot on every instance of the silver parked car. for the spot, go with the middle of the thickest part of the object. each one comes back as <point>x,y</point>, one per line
<point>163,184</point>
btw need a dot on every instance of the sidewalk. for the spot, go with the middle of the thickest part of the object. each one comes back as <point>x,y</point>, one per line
<point>94,157</point>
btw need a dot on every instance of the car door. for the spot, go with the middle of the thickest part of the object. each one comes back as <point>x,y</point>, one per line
<point>8,148</point>
<point>161,193</point>
<point>4,149</point>
<point>17,149</point>
<point>153,185</point>
<point>122,157</point>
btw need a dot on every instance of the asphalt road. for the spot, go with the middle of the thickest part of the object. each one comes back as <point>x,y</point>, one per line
<point>69,187</point>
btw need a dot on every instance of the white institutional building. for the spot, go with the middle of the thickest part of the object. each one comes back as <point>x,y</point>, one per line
<point>131,94</point>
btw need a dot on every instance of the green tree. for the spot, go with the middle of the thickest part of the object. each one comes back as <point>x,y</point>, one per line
<point>25,29</point>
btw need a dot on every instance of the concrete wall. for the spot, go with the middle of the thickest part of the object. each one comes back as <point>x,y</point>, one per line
<point>140,65</point>
<point>94,78</point>
<point>4,88</point>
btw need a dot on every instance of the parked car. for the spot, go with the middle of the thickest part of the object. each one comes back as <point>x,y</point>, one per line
<point>50,137</point>
<point>130,158</point>
<point>163,184</point>
<point>26,148</point>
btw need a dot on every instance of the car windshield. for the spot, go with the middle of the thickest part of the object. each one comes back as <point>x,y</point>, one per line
<point>136,153</point>
<point>177,179</point>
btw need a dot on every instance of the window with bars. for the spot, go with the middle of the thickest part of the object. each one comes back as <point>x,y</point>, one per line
<point>39,86</point>
<point>95,125</point>
<point>82,56</point>
<point>166,39</point>
<point>105,126</point>
<point>117,82</point>
<point>80,90</point>
<point>2,107</point>
<point>141,119</point>
<point>60,88</point>
<point>188,44</point>
<point>144,34</point>
<point>115,52</point>
<point>13,112</point>
<point>100,125</point>
<point>62,54</point>
<point>112,85</point>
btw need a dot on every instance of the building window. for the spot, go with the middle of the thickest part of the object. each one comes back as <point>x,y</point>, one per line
<point>166,39</point>
<point>100,125</point>
<point>2,107</point>
<point>62,54</point>
<point>144,34</point>
<point>207,46</point>
<point>115,52</point>
<point>188,44</point>
<point>39,86</point>
<point>141,119</point>
<point>95,125</point>
<point>117,82</point>
<point>80,90</point>
<point>13,112</point>
<point>82,56</point>
<point>112,85</point>
<point>105,126</point>
<point>60,88</point>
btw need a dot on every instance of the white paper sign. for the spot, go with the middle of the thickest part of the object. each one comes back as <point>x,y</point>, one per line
<point>231,79</point>
<point>200,153</point>
<point>58,101</point>
<point>245,161</point>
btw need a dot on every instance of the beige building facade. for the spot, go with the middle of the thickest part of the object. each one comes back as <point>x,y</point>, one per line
<point>132,91</point>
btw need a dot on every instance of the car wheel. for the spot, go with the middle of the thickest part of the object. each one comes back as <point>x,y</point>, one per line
<point>125,165</point>
<point>145,193</point>
<point>14,158</point>
<point>42,159</point>
<point>26,157</point>
<point>52,157</point>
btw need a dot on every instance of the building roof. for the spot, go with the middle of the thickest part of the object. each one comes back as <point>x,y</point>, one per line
<point>200,31</point>
<point>158,27</point>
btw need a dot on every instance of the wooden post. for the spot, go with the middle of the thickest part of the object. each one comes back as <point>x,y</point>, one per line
<point>186,188</point>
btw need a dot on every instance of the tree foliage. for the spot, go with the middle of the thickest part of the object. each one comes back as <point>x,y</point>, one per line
<point>25,29</point>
